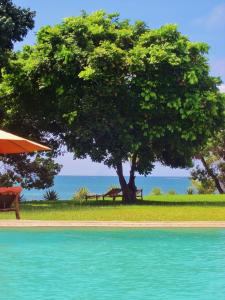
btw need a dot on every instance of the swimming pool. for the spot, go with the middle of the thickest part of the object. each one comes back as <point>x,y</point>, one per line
<point>112,264</point>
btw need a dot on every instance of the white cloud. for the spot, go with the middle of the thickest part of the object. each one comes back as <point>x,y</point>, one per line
<point>222,88</point>
<point>215,19</point>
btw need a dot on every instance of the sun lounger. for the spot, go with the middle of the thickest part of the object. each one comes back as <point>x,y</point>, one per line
<point>113,193</point>
<point>9,199</point>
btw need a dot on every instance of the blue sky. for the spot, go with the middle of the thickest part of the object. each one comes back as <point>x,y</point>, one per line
<point>201,20</point>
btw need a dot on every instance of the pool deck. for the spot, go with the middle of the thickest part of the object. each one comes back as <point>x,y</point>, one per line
<point>112,224</point>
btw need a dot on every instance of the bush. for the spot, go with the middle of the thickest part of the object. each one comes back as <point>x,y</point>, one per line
<point>172,192</point>
<point>190,191</point>
<point>156,191</point>
<point>51,195</point>
<point>206,187</point>
<point>80,194</point>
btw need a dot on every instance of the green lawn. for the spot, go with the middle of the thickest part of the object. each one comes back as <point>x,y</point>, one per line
<point>153,208</point>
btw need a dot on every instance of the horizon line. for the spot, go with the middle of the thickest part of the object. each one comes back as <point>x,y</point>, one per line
<point>124,175</point>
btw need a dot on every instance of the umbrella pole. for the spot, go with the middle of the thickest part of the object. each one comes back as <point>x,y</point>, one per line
<point>17,207</point>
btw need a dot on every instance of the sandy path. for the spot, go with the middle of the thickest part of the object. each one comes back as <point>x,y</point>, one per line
<point>112,224</point>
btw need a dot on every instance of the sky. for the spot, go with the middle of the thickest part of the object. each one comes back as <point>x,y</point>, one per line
<point>201,20</point>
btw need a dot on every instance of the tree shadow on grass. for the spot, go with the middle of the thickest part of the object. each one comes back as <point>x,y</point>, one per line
<point>155,203</point>
<point>182,203</point>
<point>43,205</point>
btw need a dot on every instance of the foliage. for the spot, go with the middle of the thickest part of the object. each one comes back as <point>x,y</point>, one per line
<point>117,92</point>
<point>14,25</point>
<point>212,170</point>
<point>171,192</point>
<point>30,171</point>
<point>51,195</point>
<point>190,191</point>
<point>6,180</point>
<point>80,194</point>
<point>204,187</point>
<point>156,191</point>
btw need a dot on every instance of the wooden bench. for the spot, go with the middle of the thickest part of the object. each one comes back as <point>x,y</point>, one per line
<point>9,199</point>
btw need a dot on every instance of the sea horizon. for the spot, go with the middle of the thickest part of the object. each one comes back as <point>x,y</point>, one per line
<point>124,175</point>
<point>67,185</point>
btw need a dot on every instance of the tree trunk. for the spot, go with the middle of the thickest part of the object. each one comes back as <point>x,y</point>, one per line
<point>212,175</point>
<point>128,190</point>
<point>131,183</point>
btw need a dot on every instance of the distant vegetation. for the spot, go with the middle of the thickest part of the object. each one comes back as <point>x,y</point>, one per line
<point>171,192</point>
<point>51,195</point>
<point>80,194</point>
<point>156,191</point>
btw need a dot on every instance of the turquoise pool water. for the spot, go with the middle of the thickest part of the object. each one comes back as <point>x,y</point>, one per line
<point>112,264</point>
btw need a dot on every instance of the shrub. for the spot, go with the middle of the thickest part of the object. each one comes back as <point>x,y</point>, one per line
<point>156,191</point>
<point>51,195</point>
<point>171,192</point>
<point>80,194</point>
<point>206,187</point>
<point>190,191</point>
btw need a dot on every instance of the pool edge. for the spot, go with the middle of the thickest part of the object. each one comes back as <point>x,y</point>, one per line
<point>113,224</point>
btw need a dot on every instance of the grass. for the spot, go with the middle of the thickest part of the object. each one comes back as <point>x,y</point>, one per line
<point>152,208</point>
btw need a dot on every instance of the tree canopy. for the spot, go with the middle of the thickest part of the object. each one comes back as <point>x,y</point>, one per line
<point>117,91</point>
<point>36,170</point>
<point>14,25</point>
<point>211,172</point>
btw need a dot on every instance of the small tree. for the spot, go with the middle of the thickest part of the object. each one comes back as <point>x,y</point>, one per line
<point>30,171</point>
<point>203,187</point>
<point>118,92</point>
<point>212,170</point>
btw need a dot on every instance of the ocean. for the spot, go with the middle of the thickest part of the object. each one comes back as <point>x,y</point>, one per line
<point>66,186</point>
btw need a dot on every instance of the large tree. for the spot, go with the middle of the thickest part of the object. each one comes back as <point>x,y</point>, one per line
<point>118,92</point>
<point>14,25</point>
<point>36,170</point>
